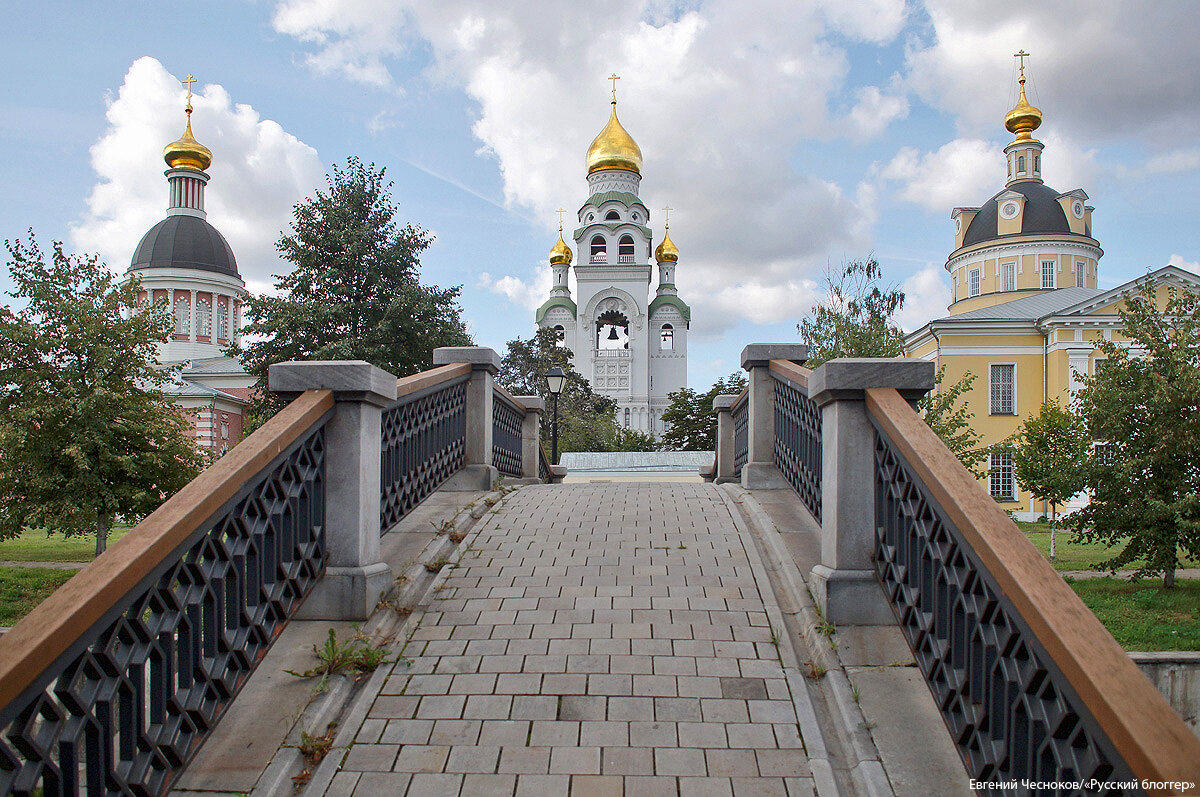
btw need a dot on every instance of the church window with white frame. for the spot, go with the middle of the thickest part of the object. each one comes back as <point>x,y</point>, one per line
<point>182,313</point>
<point>1002,384</point>
<point>1002,483</point>
<point>1079,272</point>
<point>599,249</point>
<point>1008,276</point>
<point>1048,273</point>
<point>973,283</point>
<point>203,317</point>
<point>222,320</point>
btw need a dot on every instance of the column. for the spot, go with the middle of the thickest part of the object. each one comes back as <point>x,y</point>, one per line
<point>477,473</point>
<point>844,584</point>
<point>760,472</point>
<point>531,437</point>
<point>355,578</point>
<point>723,461</point>
<point>192,318</point>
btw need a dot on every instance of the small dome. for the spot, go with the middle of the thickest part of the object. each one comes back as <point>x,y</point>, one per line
<point>185,242</point>
<point>1024,118</point>
<point>560,253</point>
<point>186,152</point>
<point>1043,214</point>
<point>614,148</point>
<point>666,251</point>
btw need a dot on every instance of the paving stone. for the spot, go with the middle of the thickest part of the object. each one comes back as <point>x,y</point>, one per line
<point>371,757</point>
<point>653,734</point>
<point>371,784</point>
<point>575,761</point>
<point>488,707</point>
<point>508,733</point>
<point>407,732</point>
<point>453,732</point>
<point>782,763</point>
<point>604,734</point>
<point>679,761</point>
<point>473,759</point>
<point>581,707</point>
<point>759,787</point>
<point>428,785</point>
<point>489,785</point>
<point>524,760</point>
<point>650,786</point>
<point>420,758</point>
<point>627,760</point>
<point>705,787</point>
<point>732,763</point>
<point>542,785</point>
<point>554,733</point>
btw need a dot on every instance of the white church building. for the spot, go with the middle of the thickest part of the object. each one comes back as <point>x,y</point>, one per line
<point>630,343</point>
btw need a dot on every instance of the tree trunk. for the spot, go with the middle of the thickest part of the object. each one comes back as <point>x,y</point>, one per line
<point>1053,515</point>
<point>102,524</point>
<point>1169,578</point>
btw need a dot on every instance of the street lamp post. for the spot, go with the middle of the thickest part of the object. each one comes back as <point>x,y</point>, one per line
<point>555,381</point>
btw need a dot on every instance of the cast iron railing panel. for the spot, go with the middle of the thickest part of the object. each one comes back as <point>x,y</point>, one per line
<point>506,435</point>
<point>543,466</point>
<point>798,442</point>
<point>741,433</point>
<point>424,443</point>
<point>129,703</point>
<point>1010,711</point>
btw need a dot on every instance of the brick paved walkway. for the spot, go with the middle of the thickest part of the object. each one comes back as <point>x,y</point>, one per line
<point>595,639</point>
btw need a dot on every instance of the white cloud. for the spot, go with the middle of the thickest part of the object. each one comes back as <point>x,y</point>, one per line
<point>963,172</point>
<point>1187,265</point>
<point>259,171</point>
<point>926,296</point>
<point>529,294</point>
<point>717,99</point>
<point>1174,161</point>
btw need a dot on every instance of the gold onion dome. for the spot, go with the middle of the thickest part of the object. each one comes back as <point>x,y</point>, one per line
<point>560,253</point>
<point>186,152</point>
<point>666,251</point>
<point>1024,118</point>
<point>614,148</point>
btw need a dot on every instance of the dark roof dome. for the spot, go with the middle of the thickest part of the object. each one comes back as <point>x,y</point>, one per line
<point>181,241</point>
<point>1043,214</point>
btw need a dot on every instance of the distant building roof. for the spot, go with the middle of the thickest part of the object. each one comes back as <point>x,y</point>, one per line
<point>1028,308</point>
<point>1043,214</point>
<point>212,366</point>
<point>659,461</point>
<point>187,388</point>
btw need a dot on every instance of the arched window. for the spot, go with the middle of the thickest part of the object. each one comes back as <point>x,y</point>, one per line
<point>1037,163</point>
<point>612,331</point>
<point>561,337</point>
<point>1021,164</point>
<point>625,249</point>
<point>599,250</point>
<point>667,338</point>
<point>183,313</point>
<point>203,318</point>
<point>222,320</point>
<point>612,215</point>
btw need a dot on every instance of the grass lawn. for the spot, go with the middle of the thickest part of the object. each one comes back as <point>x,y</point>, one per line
<point>22,588</point>
<point>1070,555</point>
<point>1144,616</point>
<point>37,546</point>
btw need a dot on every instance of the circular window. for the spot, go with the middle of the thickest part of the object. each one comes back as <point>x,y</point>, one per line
<point>1009,210</point>
<point>636,217</point>
<point>1077,209</point>
<point>591,217</point>
<point>958,225</point>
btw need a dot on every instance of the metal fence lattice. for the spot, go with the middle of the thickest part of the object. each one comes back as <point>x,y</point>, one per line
<point>798,442</point>
<point>506,436</point>
<point>741,434</point>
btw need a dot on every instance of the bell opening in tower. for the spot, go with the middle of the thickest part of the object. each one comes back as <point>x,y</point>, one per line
<point>612,332</point>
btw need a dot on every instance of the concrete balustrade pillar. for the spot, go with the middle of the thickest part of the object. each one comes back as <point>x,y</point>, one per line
<point>723,462</point>
<point>760,471</point>
<point>844,584</point>
<point>478,472</point>
<point>531,436</point>
<point>355,578</point>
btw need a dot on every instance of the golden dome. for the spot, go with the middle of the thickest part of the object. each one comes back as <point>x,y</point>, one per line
<point>666,251</point>
<point>1023,119</point>
<point>560,253</point>
<point>614,148</point>
<point>186,152</point>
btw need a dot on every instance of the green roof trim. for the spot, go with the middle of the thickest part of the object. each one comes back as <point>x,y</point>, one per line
<point>556,301</point>
<point>624,197</point>
<point>674,301</point>
<point>612,227</point>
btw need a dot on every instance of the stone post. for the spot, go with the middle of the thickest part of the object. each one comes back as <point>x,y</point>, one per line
<point>478,472</point>
<point>760,472</point>
<point>844,584</point>
<point>723,461</point>
<point>531,436</point>
<point>355,578</point>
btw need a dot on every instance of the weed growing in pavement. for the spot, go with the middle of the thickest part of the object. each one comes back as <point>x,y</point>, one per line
<point>815,671</point>
<point>355,656</point>
<point>434,565</point>
<point>314,748</point>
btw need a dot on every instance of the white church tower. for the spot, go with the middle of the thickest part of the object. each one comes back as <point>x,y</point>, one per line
<point>631,345</point>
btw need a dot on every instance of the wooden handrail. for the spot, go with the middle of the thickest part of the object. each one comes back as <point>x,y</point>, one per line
<point>509,397</point>
<point>407,385</point>
<point>741,398</point>
<point>792,372</point>
<point>1147,733</point>
<point>56,623</point>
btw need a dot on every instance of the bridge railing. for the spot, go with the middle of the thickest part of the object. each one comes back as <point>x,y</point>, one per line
<point>1030,684</point>
<point>112,683</point>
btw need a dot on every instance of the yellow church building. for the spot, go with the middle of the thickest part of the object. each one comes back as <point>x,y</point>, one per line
<point>1025,309</point>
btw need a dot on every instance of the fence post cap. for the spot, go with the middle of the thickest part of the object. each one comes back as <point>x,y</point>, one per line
<point>847,378</point>
<point>350,380</point>
<point>481,358</point>
<point>724,402</point>
<point>758,355</point>
<point>532,403</point>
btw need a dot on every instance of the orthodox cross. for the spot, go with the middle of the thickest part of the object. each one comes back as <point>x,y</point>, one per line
<point>1022,55</point>
<point>667,210</point>
<point>560,211</point>
<point>189,81</point>
<point>614,77</point>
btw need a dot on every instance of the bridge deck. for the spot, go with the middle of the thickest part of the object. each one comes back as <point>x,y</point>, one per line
<point>594,639</point>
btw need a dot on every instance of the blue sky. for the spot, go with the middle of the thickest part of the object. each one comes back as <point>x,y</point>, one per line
<point>785,139</point>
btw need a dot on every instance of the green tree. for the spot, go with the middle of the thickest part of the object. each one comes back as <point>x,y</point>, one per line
<point>1142,406</point>
<point>951,421</point>
<point>634,440</point>
<point>585,418</point>
<point>856,319</point>
<point>690,420</point>
<point>354,290</point>
<point>86,434</point>
<point>1047,453</point>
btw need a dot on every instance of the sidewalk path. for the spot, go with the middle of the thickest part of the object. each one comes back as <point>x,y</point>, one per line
<point>596,639</point>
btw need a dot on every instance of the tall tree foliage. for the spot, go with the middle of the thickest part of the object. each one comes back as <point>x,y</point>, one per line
<point>86,435</point>
<point>1142,406</point>
<point>856,318</point>
<point>354,291</point>
<point>585,418</point>
<point>1047,453</point>
<point>951,420</point>
<point>691,423</point>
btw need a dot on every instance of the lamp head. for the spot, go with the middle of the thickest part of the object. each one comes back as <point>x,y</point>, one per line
<point>555,380</point>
